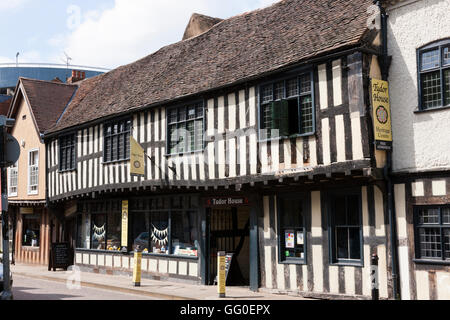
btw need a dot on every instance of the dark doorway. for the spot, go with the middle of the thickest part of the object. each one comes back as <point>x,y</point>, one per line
<point>230,232</point>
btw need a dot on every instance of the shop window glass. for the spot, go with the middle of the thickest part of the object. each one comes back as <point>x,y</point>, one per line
<point>84,231</point>
<point>31,230</point>
<point>114,227</point>
<point>184,233</point>
<point>98,231</point>
<point>292,228</point>
<point>140,231</point>
<point>159,232</point>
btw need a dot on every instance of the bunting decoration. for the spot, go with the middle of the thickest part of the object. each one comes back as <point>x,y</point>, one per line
<point>99,233</point>
<point>161,237</point>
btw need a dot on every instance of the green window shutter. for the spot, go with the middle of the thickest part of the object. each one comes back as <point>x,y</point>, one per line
<point>284,118</point>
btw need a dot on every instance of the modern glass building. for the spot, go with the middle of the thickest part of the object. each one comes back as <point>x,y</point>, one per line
<point>10,73</point>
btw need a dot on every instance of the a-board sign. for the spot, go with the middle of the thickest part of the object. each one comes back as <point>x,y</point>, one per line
<point>59,256</point>
<point>228,261</point>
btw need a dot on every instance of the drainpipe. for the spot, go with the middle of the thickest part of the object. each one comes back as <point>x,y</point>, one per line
<point>388,168</point>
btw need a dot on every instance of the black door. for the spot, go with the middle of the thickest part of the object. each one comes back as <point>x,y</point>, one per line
<point>229,232</point>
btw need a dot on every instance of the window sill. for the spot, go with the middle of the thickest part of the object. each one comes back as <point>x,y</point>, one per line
<point>420,111</point>
<point>435,262</point>
<point>300,262</point>
<point>115,161</point>
<point>67,170</point>
<point>358,264</point>
<point>295,136</point>
<point>30,248</point>
<point>183,154</point>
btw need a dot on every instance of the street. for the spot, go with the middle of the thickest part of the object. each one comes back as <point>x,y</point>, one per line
<point>25,288</point>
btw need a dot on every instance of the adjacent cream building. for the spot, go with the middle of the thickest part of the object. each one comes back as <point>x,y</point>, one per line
<point>419,43</point>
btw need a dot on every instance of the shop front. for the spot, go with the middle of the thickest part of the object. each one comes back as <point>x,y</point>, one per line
<point>164,228</point>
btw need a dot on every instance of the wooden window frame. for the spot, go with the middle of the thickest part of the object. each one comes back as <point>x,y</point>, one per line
<point>334,260</point>
<point>418,226</point>
<point>33,192</point>
<point>15,168</point>
<point>437,45</point>
<point>107,136</point>
<point>73,153</point>
<point>285,78</point>
<point>306,199</point>
<point>178,122</point>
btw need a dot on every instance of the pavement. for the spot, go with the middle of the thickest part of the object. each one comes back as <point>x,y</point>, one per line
<point>149,288</point>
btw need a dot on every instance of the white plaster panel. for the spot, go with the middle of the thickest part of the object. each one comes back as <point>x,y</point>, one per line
<point>423,285</point>
<point>418,189</point>
<point>182,268</point>
<point>172,267</point>
<point>152,265</point>
<point>193,269</point>
<point>163,266</point>
<point>101,260</point>
<point>439,188</point>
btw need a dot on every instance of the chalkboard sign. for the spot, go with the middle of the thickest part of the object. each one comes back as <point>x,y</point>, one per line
<point>59,256</point>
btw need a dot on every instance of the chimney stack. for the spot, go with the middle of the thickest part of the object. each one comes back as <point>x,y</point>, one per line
<point>76,76</point>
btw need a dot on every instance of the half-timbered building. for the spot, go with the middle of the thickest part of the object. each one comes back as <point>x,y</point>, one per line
<point>259,142</point>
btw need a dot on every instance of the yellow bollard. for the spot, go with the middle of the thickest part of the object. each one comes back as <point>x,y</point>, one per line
<point>137,269</point>
<point>221,274</point>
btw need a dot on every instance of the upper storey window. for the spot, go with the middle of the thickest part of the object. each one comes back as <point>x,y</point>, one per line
<point>287,107</point>
<point>117,141</point>
<point>67,147</point>
<point>434,75</point>
<point>185,128</point>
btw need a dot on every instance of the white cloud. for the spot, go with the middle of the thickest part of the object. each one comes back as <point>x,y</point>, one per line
<point>133,29</point>
<point>11,4</point>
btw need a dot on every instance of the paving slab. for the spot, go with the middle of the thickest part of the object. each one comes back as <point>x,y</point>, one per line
<point>152,288</point>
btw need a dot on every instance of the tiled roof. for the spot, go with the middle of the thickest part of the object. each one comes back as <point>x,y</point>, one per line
<point>237,49</point>
<point>4,107</point>
<point>48,100</point>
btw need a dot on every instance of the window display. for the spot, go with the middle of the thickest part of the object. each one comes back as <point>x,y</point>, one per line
<point>98,231</point>
<point>292,228</point>
<point>184,233</point>
<point>31,230</point>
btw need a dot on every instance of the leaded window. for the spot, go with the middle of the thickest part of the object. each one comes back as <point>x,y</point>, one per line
<point>434,75</point>
<point>117,141</point>
<point>185,128</point>
<point>433,233</point>
<point>67,152</point>
<point>287,107</point>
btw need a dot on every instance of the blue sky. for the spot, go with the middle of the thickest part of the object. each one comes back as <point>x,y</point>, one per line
<point>102,33</point>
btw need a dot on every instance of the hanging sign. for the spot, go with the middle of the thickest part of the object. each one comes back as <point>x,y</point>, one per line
<point>382,114</point>
<point>137,159</point>
<point>125,223</point>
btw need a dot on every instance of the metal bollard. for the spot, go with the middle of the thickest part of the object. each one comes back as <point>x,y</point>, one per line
<point>221,274</point>
<point>137,267</point>
<point>374,277</point>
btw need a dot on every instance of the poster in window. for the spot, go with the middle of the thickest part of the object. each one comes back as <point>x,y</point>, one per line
<point>124,223</point>
<point>300,238</point>
<point>290,240</point>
